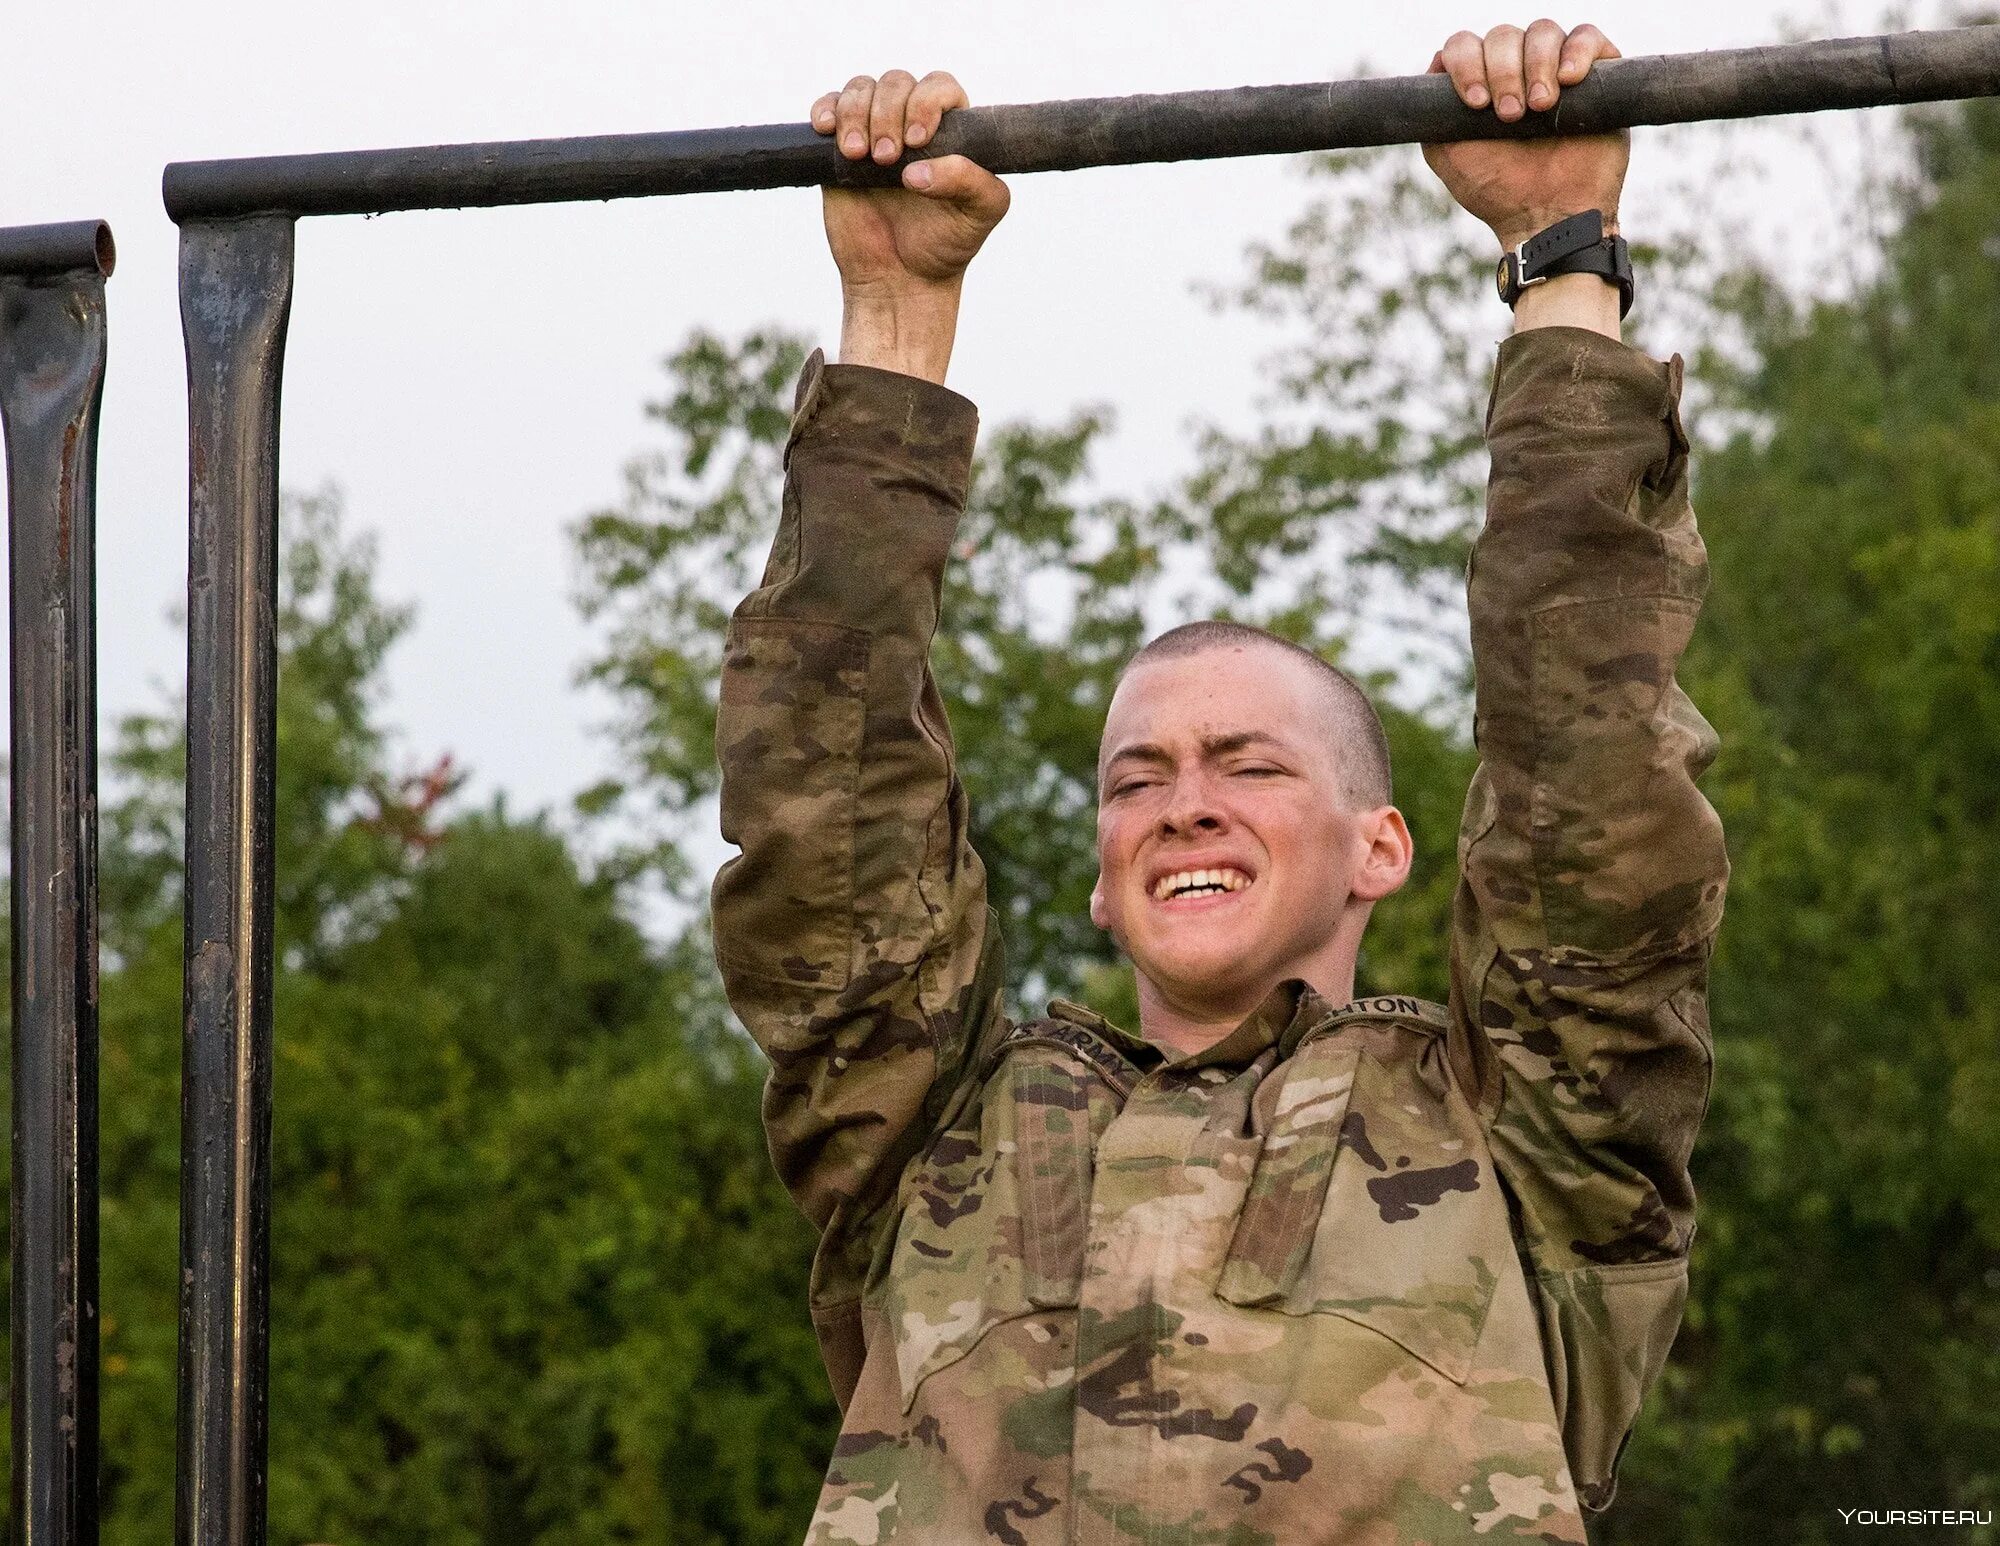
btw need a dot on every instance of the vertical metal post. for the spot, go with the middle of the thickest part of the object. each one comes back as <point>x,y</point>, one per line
<point>52,340</point>
<point>236,291</point>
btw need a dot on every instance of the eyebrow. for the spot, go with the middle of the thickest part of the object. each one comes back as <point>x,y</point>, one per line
<point>1211,746</point>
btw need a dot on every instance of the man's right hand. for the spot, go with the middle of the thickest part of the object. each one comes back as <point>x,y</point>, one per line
<point>902,251</point>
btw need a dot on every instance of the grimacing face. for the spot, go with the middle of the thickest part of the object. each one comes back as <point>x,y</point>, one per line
<point>1228,859</point>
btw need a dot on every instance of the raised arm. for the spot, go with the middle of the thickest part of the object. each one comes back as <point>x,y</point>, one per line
<point>852,929</point>
<point>1592,870</point>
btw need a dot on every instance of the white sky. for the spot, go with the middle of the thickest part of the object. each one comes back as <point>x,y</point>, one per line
<point>474,380</point>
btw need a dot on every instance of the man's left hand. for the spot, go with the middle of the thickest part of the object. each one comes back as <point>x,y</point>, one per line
<point>1521,187</point>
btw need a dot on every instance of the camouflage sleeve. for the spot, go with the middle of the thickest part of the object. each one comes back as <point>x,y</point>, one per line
<point>852,927</point>
<point>1591,868</point>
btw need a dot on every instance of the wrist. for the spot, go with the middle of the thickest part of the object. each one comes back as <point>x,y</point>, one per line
<point>908,328</point>
<point>1532,223</point>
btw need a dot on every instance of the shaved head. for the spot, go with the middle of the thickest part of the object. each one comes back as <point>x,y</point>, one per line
<point>1361,747</point>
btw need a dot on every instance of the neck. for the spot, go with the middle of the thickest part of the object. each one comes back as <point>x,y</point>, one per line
<point>1193,1021</point>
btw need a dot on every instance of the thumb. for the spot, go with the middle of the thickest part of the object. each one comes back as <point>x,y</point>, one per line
<point>955,180</point>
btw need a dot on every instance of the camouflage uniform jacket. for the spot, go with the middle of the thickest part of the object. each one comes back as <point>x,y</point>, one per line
<point>1386,1272</point>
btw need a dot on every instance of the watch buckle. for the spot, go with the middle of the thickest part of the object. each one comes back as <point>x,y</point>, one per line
<point>1521,281</point>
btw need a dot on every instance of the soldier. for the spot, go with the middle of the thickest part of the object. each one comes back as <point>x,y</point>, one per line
<point>1285,1266</point>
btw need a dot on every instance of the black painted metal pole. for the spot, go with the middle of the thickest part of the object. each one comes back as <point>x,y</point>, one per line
<point>1107,131</point>
<point>52,342</point>
<point>236,291</point>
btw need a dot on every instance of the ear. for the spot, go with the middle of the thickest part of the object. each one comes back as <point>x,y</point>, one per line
<point>1387,863</point>
<point>1097,911</point>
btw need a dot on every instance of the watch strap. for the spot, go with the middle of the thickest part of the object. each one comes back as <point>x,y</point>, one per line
<point>1563,239</point>
<point>1610,259</point>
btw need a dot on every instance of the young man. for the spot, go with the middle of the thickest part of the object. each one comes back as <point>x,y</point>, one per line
<point>1284,1267</point>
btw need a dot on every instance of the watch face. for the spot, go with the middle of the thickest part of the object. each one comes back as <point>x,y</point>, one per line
<point>1500,276</point>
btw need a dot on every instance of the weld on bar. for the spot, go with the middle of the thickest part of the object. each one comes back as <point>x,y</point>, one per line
<point>51,378</point>
<point>236,222</point>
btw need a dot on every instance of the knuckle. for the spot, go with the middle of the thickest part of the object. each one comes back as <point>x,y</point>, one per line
<point>1506,32</point>
<point>860,83</point>
<point>899,78</point>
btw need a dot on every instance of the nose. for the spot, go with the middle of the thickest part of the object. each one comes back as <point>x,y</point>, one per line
<point>1192,807</point>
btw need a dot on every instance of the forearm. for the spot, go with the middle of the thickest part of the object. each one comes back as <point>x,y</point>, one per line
<point>1585,584</point>
<point>877,468</point>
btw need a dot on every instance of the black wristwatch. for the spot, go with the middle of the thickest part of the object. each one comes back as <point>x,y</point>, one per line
<point>1577,245</point>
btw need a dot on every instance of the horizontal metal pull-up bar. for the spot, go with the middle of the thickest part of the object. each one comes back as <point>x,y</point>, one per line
<point>1101,131</point>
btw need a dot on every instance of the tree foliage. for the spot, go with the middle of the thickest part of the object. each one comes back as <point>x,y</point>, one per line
<point>532,1277</point>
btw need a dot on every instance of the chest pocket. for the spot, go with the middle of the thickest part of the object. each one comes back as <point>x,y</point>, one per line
<point>995,1216</point>
<point>1374,1199</point>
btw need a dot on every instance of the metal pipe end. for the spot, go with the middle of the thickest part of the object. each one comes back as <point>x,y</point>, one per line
<point>67,247</point>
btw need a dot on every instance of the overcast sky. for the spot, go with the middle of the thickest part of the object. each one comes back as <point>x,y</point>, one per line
<point>474,381</point>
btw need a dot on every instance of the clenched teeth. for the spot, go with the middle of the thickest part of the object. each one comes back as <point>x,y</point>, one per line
<point>1198,883</point>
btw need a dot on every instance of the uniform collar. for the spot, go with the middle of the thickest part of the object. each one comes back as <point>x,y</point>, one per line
<point>1292,1004</point>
